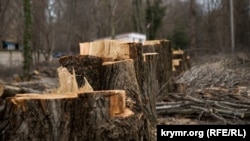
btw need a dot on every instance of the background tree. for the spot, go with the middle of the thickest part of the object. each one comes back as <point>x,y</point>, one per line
<point>155,12</point>
<point>242,23</point>
<point>27,37</point>
<point>138,16</point>
<point>4,4</point>
<point>59,25</point>
<point>192,24</point>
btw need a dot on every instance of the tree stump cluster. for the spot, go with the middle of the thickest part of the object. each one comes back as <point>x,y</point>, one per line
<point>120,105</point>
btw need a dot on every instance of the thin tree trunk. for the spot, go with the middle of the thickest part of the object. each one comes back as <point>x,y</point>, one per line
<point>192,24</point>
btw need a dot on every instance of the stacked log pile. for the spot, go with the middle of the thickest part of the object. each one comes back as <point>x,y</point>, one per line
<point>107,93</point>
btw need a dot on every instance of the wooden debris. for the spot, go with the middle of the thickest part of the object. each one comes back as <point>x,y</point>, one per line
<point>11,90</point>
<point>221,106</point>
<point>86,87</point>
<point>67,81</point>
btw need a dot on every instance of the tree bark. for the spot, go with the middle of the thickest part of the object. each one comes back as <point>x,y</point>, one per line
<point>84,66</point>
<point>164,62</point>
<point>150,86</point>
<point>87,116</point>
<point>121,75</point>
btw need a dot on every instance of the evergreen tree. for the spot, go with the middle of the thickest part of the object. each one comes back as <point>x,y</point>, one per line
<point>27,54</point>
<point>154,15</point>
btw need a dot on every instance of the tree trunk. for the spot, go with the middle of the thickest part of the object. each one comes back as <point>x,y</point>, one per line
<point>121,75</point>
<point>164,62</point>
<point>192,24</point>
<point>27,53</point>
<point>84,66</point>
<point>87,116</point>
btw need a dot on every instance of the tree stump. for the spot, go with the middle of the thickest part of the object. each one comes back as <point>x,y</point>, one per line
<point>98,115</point>
<point>150,86</point>
<point>181,62</point>
<point>164,63</point>
<point>36,117</point>
<point>121,75</point>
<point>84,66</point>
<point>98,125</point>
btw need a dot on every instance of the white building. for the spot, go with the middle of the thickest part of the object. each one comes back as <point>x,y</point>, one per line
<point>130,37</point>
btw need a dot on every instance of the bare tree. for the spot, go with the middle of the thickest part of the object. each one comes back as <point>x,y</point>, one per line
<point>11,25</point>
<point>193,24</point>
<point>242,24</point>
<point>45,22</point>
<point>138,16</point>
<point>4,17</point>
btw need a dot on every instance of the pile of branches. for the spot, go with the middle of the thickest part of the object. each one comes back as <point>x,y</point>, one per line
<point>214,93</point>
<point>227,108</point>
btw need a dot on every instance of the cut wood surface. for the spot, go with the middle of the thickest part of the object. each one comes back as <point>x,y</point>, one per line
<point>152,42</point>
<point>181,61</point>
<point>107,49</point>
<point>67,81</point>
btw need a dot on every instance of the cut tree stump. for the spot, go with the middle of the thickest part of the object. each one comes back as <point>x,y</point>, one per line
<point>98,115</point>
<point>150,86</point>
<point>181,62</point>
<point>85,66</point>
<point>164,63</point>
<point>121,75</point>
<point>109,50</point>
<point>37,117</point>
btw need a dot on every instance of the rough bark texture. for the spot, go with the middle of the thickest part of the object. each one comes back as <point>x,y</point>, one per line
<point>98,124</point>
<point>164,65</point>
<point>121,75</point>
<point>80,117</point>
<point>36,119</point>
<point>135,53</point>
<point>84,66</point>
<point>150,87</point>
